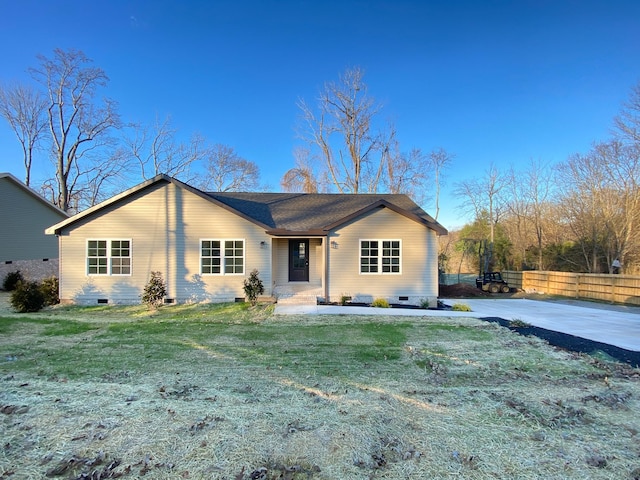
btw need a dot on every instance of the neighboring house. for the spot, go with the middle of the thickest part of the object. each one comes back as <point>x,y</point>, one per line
<point>24,215</point>
<point>316,246</point>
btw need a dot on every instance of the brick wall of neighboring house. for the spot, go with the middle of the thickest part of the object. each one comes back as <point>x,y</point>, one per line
<point>33,270</point>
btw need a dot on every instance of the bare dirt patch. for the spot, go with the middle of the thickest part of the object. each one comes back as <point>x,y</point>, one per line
<point>200,394</point>
<point>461,290</point>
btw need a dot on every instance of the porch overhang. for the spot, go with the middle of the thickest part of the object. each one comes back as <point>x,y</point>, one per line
<point>282,233</point>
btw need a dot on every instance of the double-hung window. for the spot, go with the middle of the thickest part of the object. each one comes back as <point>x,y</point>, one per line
<point>380,256</point>
<point>109,257</point>
<point>222,257</point>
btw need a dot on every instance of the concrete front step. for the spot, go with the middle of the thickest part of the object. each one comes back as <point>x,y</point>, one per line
<point>297,299</point>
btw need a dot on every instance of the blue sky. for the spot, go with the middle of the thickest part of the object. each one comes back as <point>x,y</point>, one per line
<point>489,81</point>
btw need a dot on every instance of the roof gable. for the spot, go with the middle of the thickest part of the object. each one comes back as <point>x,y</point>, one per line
<point>283,213</point>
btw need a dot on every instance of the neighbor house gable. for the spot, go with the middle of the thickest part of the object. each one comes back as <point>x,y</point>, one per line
<point>32,194</point>
<point>24,216</point>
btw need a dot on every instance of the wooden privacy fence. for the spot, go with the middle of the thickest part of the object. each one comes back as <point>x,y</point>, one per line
<point>594,286</point>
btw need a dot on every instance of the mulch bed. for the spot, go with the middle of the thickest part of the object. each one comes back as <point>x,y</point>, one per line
<point>557,339</point>
<point>573,343</point>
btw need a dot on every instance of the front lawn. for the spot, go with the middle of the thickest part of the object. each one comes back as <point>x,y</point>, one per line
<point>232,392</point>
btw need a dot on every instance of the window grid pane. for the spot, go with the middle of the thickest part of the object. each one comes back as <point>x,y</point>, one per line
<point>369,256</point>
<point>222,257</point>
<point>380,256</point>
<point>120,257</point>
<point>391,256</point>
<point>109,257</point>
<point>97,257</point>
<point>121,266</point>
<point>97,266</point>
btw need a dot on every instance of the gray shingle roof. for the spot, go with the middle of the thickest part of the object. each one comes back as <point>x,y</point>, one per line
<point>316,212</point>
<point>282,213</point>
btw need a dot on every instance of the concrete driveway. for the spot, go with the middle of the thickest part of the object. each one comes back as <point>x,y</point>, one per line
<point>611,324</point>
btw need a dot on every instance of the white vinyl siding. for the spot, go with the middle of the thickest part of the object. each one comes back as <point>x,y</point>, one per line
<point>170,223</point>
<point>418,259</point>
<point>380,256</point>
<point>222,257</point>
<point>109,257</point>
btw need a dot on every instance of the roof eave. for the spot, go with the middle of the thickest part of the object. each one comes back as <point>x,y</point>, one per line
<point>282,232</point>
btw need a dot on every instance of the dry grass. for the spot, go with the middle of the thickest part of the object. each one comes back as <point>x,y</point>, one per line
<point>236,393</point>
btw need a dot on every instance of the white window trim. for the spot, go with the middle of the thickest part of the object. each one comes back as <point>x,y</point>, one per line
<point>380,256</point>
<point>109,257</point>
<point>222,257</point>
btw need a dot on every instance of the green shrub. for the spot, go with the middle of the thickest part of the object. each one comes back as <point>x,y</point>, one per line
<point>27,297</point>
<point>517,323</point>
<point>461,307</point>
<point>344,299</point>
<point>380,303</point>
<point>11,281</point>
<point>50,288</point>
<point>154,291</point>
<point>253,287</point>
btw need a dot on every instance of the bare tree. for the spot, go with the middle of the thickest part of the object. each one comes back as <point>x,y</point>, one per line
<point>407,173</point>
<point>529,193</point>
<point>301,178</point>
<point>439,160</point>
<point>485,197</point>
<point>343,131</point>
<point>539,189</point>
<point>226,171</point>
<point>602,202</point>
<point>78,124</point>
<point>24,109</point>
<point>621,163</point>
<point>156,150</point>
<point>518,212</point>
<point>627,122</point>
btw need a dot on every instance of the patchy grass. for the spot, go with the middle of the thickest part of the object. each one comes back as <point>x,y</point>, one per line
<point>232,392</point>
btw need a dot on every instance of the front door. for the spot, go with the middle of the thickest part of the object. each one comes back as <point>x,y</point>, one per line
<point>298,260</point>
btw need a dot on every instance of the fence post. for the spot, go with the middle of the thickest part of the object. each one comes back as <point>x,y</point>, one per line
<point>548,282</point>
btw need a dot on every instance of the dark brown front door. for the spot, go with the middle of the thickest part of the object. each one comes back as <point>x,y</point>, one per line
<point>298,260</point>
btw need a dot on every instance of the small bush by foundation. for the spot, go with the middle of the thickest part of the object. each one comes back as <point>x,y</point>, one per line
<point>154,291</point>
<point>380,303</point>
<point>27,297</point>
<point>50,288</point>
<point>11,281</point>
<point>253,287</point>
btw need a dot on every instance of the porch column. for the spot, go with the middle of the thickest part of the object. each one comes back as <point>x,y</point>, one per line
<point>325,270</point>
